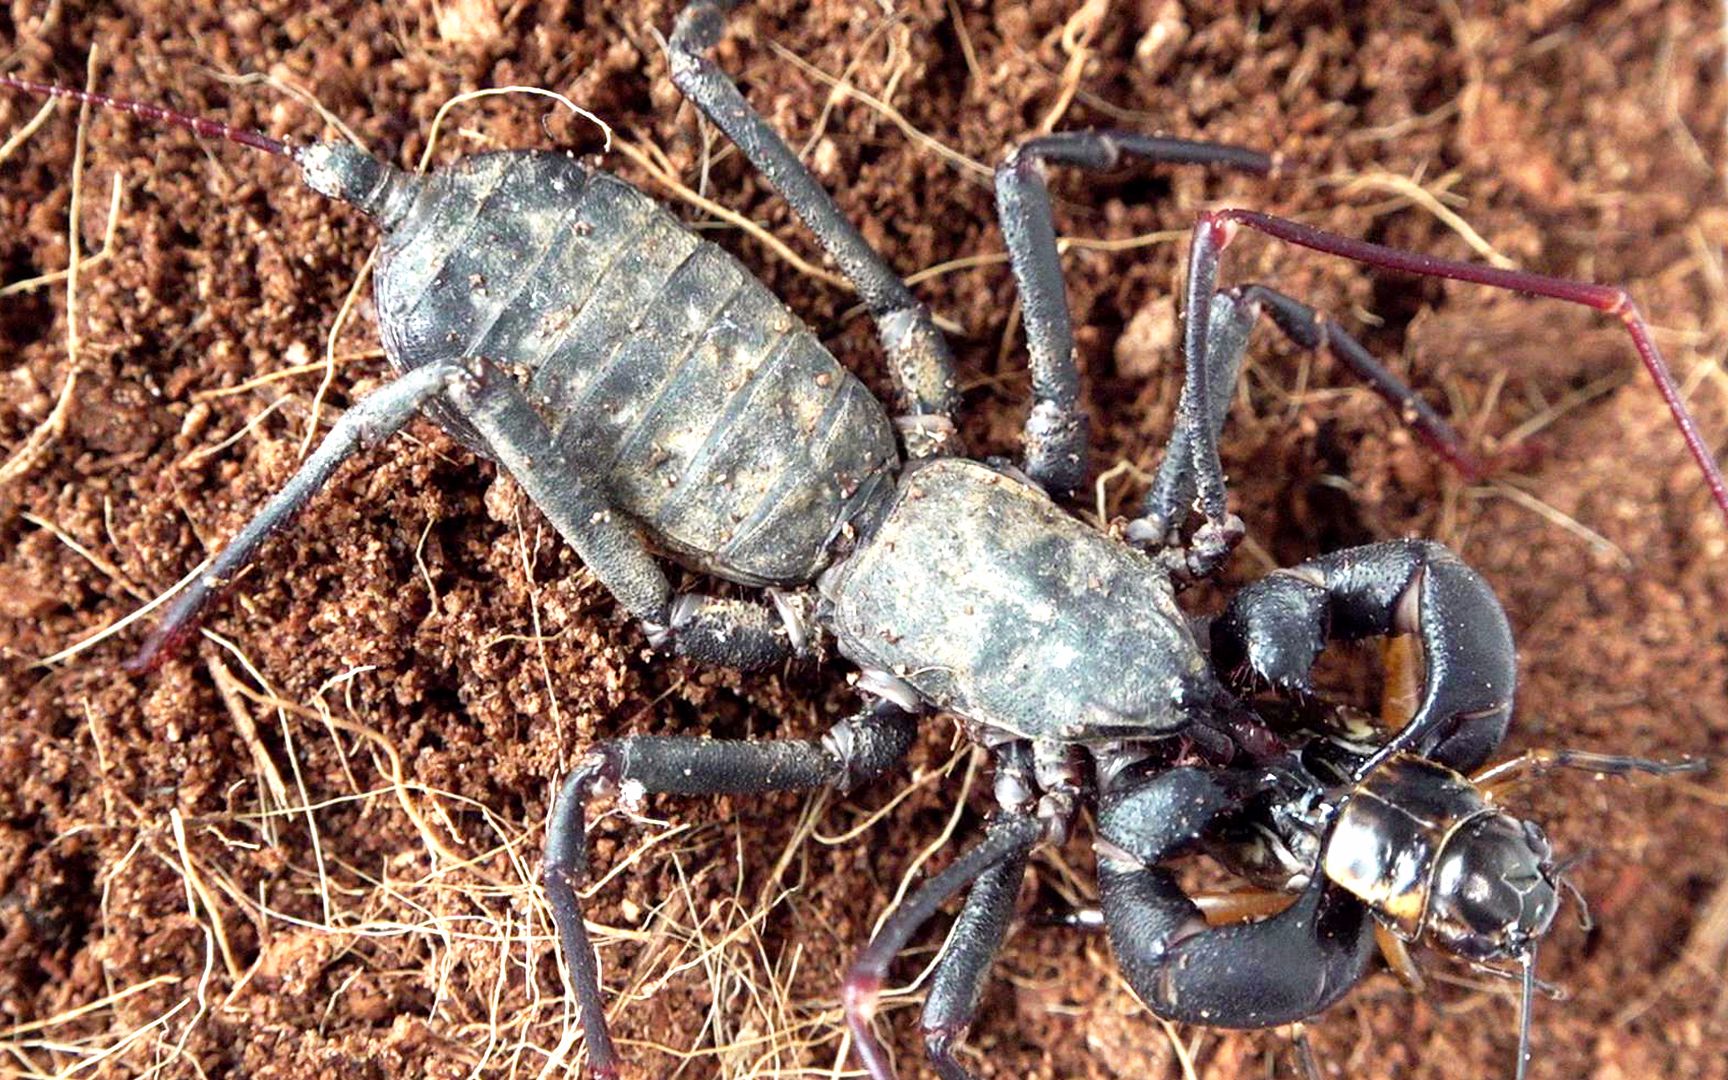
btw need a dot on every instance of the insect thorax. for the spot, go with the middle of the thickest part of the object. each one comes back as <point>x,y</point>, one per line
<point>1388,835</point>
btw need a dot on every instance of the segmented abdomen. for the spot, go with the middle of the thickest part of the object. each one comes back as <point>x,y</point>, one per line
<point>712,413</point>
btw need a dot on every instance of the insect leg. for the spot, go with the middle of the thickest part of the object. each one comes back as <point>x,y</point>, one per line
<point>1008,837</point>
<point>1056,429</point>
<point>1398,958</point>
<point>957,982</point>
<point>571,498</point>
<point>379,415</point>
<point>733,633</point>
<point>1532,764</point>
<point>854,750</point>
<point>1240,905</point>
<point>918,354</point>
<point>1219,907</point>
<point>1192,475</point>
<point>1304,1050</point>
<point>729,632</point>
<point>1277,970</point>
<point>1273,630</point>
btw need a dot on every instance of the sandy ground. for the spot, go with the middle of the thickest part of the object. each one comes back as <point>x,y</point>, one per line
<point>308,847</point>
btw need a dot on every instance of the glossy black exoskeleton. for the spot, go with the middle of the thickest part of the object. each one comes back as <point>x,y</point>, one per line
<point>1366,837</point>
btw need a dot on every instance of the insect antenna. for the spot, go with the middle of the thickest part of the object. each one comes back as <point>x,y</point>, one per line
<point>1551,991</point>
<point>1305,1059</point>
<point>208,129</point>
<point>1561,869</point>
<point>1526,1001</point>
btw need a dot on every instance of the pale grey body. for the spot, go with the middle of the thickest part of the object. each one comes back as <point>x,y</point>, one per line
<point>997,605</point>
<point>714,418</point>
<point>648,393</point>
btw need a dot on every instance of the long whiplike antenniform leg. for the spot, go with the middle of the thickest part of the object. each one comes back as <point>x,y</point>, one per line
<point>1215,228</point>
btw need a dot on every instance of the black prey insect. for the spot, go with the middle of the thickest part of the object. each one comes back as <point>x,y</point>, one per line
<point>649,395</point>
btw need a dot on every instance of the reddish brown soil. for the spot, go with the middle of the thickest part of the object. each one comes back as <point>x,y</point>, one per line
<point>162,913</point>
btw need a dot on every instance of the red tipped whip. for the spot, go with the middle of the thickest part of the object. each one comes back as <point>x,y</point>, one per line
<point>209,129</point>
<point>1608,299</point>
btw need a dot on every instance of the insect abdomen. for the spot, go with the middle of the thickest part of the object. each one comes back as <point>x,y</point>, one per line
<point>714,415</point>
